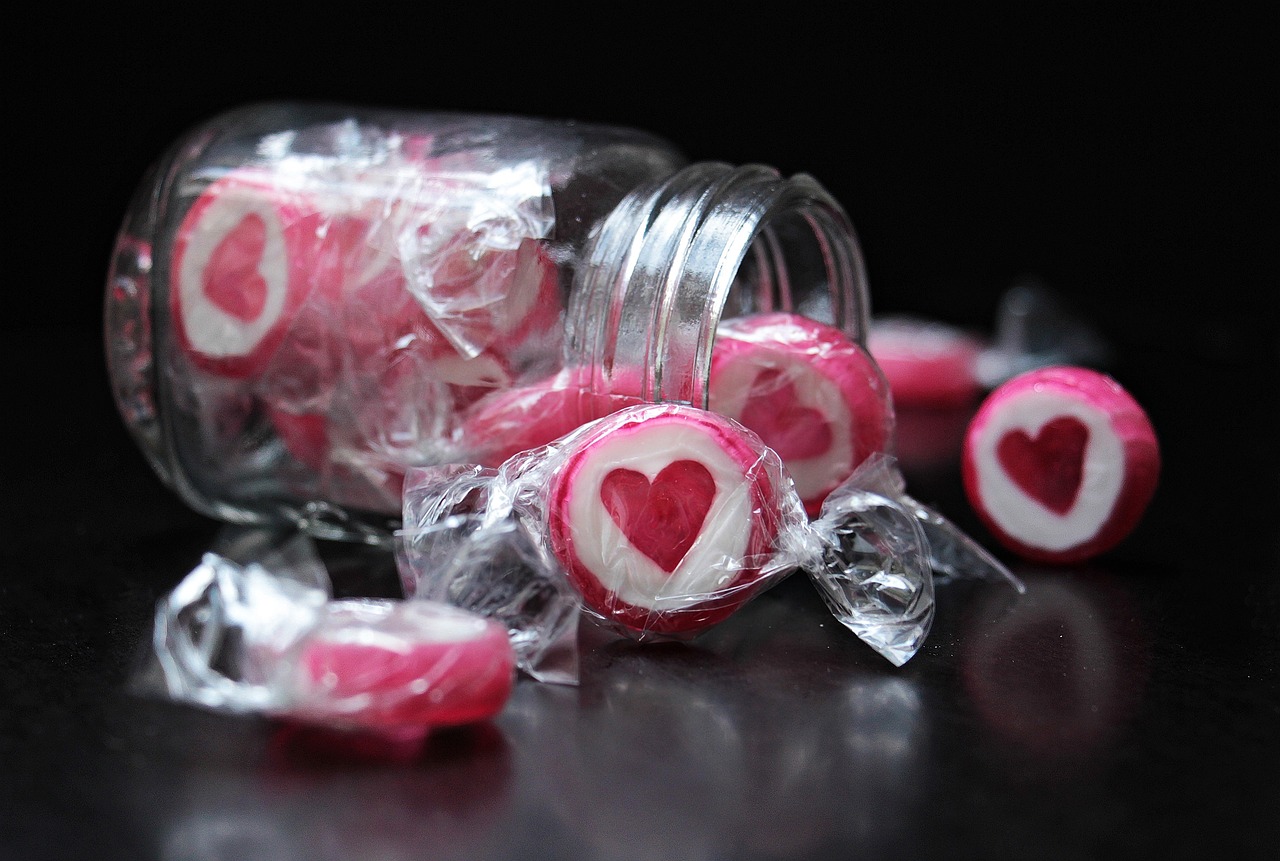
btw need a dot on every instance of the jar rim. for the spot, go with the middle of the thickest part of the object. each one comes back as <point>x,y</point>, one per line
<point>661,269</point>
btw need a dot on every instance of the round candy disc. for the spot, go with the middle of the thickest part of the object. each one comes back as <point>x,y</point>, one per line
<point>386,664</point>
<point>662,514</point>
<point>813,395</point>
<point>239,272</point>
<point>1060,463</point>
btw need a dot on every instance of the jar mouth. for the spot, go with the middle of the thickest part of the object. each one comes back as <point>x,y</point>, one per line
<point>711,240</point>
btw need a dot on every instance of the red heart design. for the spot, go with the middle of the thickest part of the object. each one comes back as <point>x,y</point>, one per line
<point>773,411</point>
<point>661,519</point>
<point>231,279</point>
<point>1049,467</point>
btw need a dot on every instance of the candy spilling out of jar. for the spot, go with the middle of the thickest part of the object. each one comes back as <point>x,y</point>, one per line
<point>243,638</point>
<point>1060,463</point>
<point>811,393</point>
<point>808,390</point>
<point>664,520</point>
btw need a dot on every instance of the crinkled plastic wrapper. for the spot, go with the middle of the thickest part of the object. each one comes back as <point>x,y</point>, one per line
<point>338,297</point>
<point>659,522</point>
<point>265,637</point>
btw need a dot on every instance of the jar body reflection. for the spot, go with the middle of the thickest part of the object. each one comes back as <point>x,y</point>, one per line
<point>306,301</point>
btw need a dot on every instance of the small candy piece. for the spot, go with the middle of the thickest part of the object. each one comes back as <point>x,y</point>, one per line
<point>240,271</point>
<point>662,516</point>
<point>531,416</point>
<point>813,395</point>
<point>385,664</point>
<point>927,363</point>
<point>1060,463</point>
<point>304,435</point>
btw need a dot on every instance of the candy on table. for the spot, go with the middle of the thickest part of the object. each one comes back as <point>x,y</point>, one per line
<point>662,520</point>
<point>663,517</point>
<point>386,664</point>
<point>927,363</point>
<point>248,638</point>
<point>812,394</point>
<point>931,364</point>
<point>1060,463</point>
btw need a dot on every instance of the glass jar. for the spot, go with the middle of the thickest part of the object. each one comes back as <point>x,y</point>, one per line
<point>307,300</point>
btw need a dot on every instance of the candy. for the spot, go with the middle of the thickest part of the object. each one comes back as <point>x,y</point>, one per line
<point>1060,463</point>
<point>304,436</point>
<point>264,636</point>
<point>927,363</point>
<point>813,395</point>
<point>661,516</point>
<point>386,664</point>
<point>530,416</point>
<point>240,270</point>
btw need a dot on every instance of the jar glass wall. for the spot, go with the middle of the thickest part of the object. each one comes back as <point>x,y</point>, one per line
<point>307,300</point>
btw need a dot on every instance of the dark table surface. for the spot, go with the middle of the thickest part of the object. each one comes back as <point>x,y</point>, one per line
<point>1124,707</point>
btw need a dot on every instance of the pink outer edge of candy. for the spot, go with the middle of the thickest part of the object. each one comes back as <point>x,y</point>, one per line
<point>1132,427</point>
<point>870,409</point>
<point>481,676</point>
<point>298,226</point>
<point>941,378</point>
<point>716,608</point>
<point>526,417</point>
<point>545,309</point>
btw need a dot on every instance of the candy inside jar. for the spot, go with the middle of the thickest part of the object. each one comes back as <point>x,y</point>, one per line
<point>306,302</point>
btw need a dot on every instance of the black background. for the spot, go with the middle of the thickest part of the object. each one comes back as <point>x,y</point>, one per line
<point>1122,152</point>
<point>1119,150</point>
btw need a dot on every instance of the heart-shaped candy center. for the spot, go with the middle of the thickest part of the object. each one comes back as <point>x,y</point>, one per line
<point>662,518</point>
<point>774,412</point>
<point>231,279</point>
<point>1049,466</point>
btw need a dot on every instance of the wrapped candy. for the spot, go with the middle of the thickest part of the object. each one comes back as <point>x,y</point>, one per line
<point>665,519</point>
<point>812,394</point>
<point>307,300</point>
<point>660,521</point>
<point>266,637</point>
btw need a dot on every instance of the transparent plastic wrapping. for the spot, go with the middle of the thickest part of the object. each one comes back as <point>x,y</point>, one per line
<point>306,301</point>
<point>813,395</point>
<point>660,521</point>
<point>663,519</point>
<point>265,637</point>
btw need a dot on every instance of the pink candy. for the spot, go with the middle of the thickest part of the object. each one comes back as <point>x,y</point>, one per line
<point>240,271</point>
<point>531,416</point>
<point>363,324</point>
<point>811,393</point>
<point>1060,464</point>
<point>927,364</point>
<point>661,516</point>
<point>385,665</point>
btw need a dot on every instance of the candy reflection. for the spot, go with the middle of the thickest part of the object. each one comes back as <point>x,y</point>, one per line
<point>929,440</point>
<point>649,764</point>
<point>1059,673</point>
<point>331,795</point>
